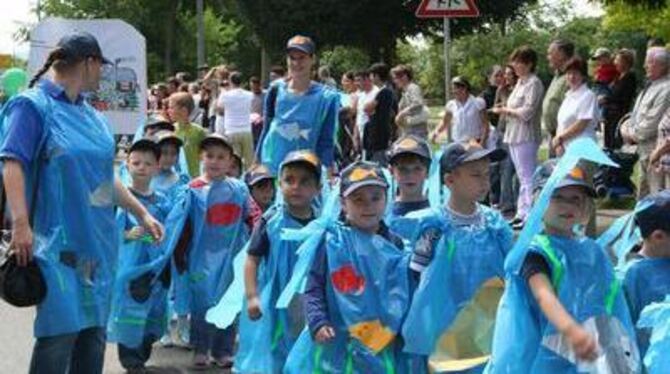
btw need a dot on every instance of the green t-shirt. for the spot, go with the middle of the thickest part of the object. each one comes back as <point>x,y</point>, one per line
<point>191,135</point>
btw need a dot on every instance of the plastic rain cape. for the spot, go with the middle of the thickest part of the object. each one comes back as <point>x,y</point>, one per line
<point>216,213</point>
<point>140,295</point>
<point>656,316</point>
<point>583,291</point>
<point>367,297</point>
<point>76,186</point>
<point>264,344</point>
<point>452,314</point>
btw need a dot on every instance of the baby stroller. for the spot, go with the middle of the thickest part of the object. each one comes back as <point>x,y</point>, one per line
<point>616,182</point>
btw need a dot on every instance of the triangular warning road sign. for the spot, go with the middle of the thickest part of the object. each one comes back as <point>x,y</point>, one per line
<point>447,8</point>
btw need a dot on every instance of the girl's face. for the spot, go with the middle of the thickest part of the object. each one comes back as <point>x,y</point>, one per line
<point>574,78</point>
<point>460,93</point>
<point>410,175</point>
<point>567,208</point>
<point>169,153</point>
<point>215,161</point>
<point>347,84</point>
<point>263,192</point>
<point>234,167</point>
<point>142,166</point>
<point>365,208</point>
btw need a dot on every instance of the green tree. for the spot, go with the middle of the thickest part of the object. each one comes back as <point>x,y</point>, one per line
<point>342,59</point>
<point>637,17</point>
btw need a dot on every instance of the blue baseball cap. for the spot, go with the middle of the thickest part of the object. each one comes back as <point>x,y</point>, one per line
<point>456,154</point>
<point>576,177</point>
<point>256,174</point>
<point>656,215</point>
<point>145,144</point>
<point>217,139</point>
<point>410,145</point>
<point>361,174</point>
<point>305,157</point>
<point>301,43</point>
<point>82,45</point>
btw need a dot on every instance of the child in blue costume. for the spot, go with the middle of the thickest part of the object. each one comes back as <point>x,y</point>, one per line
<point>459,253</point>
<point>564,283</point>
<point>169,180</point>
<point>235,167</point>
<point>139,309</point>
<point>410,160</point>
<point>357,290</point>
<point>261,186</point>
<point>214,232</point>
<point>299,113</point>
<point>648,280</point>
<point>266,333</point>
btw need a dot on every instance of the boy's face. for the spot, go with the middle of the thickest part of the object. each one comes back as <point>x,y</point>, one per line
<point>410,173</point>
<point>169,154</point>
<point>298,186</point>
<point>658,240</point>
<point>142,166</point>
<point>177,112</point>
<point>365,207</point>
<point>469,182</point>
<point>263,193</point>
<point>568,207</point>
<point>215,161</point>
<point>234,169</point>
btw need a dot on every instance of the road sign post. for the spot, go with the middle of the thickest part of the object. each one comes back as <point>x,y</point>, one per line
<point>447,9</point>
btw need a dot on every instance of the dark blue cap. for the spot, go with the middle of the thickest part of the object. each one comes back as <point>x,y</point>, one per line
<point>217,139</point>
<point>82,45</point>
<point>305,157</point>
<point>158,122</point>
<point>301,43</point>
<point>656,214</point>
<point>576,177</point>
<point>257,173</point>
<point>456,154</point>
<point>361,174</point>
<point>410,144</point>
<point>145,144</point>
<point>165,136</point>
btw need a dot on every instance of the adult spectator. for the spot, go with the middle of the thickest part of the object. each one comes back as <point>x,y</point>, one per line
<point>619,100</point>
<point>380,130</point>
<point>277,72</point>
<point>495,79</point>
<point>299,113</point>
<point>54,133</point>
<point>412,117</point>
<point>523,132</point>
<point>509,184</point>
<point>660,157</point>
<point>559,52</point>
<point>256,108</point>
<point>325,78</point>
<point>642,127</point>
<point>464,115</point>
<point>365,95</point>
<point>605,70</point>
<point>235,104</point>
<point>346,121</point>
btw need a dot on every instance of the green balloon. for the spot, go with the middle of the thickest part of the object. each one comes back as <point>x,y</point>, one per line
<point>14,80</point>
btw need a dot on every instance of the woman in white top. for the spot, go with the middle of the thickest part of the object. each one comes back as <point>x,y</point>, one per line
<point>578,114</point>
<point>235,106</point>
<point>465,115</point>
<point>522,132</point>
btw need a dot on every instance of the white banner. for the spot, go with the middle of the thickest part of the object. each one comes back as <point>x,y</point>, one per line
<point>123,87</point>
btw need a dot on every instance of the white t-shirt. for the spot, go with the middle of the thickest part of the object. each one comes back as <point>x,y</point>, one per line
<point>236,105</point>
<point>466,119</point>
<point>363,98</point>
<point>579,104</point>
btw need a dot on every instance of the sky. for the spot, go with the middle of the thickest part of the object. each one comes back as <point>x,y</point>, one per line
<point>16,13</point>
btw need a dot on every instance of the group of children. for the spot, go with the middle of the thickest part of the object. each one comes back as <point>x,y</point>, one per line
<point>391,284</point>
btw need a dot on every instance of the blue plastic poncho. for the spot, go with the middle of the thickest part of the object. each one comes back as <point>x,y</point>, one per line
<point>582,277</point>
<point>656,316</point>
<point>298,123</point>
<point>265,343</point>
<point>74,219</point>
<point>139,300</point>
<point>367,297</point>
<point>452,312</point>
<point>646,281</point>
<point>217,216</point>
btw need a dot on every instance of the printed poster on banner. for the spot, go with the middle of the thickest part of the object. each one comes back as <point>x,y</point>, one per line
<point>122,95</point>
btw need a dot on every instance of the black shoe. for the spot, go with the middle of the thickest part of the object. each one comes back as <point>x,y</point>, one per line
<point>519,225</point>
<point>515,221</point>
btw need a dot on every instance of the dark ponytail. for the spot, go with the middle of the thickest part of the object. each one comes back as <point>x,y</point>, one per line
<point>55,55</point>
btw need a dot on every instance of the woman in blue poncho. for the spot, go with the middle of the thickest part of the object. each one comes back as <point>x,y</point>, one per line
<point>51,135</point>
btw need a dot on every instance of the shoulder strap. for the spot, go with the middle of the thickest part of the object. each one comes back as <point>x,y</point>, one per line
<point>557,266</point>
<point>272,100</point>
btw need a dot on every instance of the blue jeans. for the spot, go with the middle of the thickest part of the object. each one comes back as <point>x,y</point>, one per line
<point>207,338</point>
<point>81,352</point>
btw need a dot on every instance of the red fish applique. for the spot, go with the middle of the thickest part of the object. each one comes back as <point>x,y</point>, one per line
<point>223,214</point>
<point>198,183</point>
<point>345,280</point>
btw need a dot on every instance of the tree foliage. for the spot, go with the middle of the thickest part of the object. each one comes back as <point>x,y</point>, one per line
<point>638,17</point>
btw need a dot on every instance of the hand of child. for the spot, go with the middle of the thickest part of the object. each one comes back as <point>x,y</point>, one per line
<point>582,342</point>
<point>324,334</point>
<point>135,233</point>
<point>254,308</point>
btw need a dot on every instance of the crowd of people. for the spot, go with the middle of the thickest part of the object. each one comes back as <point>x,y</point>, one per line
<point>309,228</point>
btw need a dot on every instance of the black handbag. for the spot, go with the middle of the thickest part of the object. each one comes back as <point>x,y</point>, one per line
<point>20,286</point>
